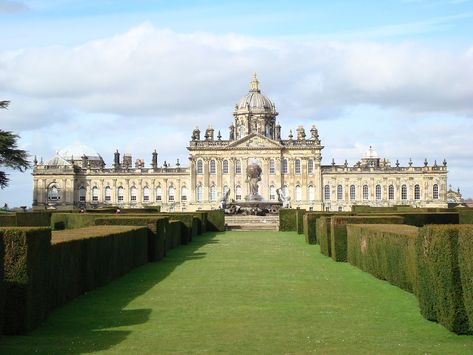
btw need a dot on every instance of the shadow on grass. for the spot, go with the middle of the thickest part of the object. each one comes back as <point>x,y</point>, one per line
<point>86,324</point>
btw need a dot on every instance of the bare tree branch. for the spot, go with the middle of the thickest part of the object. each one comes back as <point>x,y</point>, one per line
<point>4,104</point>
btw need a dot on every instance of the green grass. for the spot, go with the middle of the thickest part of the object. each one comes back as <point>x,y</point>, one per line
<point>240,292</point>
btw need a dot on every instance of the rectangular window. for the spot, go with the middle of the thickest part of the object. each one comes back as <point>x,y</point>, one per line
<point>284,166</point>
<point>120,198</point>
<point>310,166</point>
<point>108,198</point>
<point>272,169</point>
<point>297,167</point>
<point>237,167</point>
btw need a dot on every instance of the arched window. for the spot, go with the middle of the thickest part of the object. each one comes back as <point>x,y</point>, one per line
<point>365,192</point>
<point>310,166</point>
<point>213,193</point>
<point>95,194</point>
<point>272,169</point>
<point>53,193</point>
<point>212,166</point>
<point>378,192</point>
<point>416,192</point>
<point>82,194</point>
<point>297,167</point>
<point>435,192</point>
<point>199,193</point>
<point>108,194</point>
<point>298,193</point>
<point>200,167</point>
<point>171,193</point>
<point>272,193</point>
<point>352,192</point>
<point>311,193</point>
<point>237,167</point>
<point>159,194</point>
<point>238,193</point>
<point>403,192</point>
<point>327,192</point>
<point>145,194</point>
<point>225,167</point>
<point>284,166</point>
<point>120,194</point>
<point>133,194</point>
<point>339,192</point>
<point>391,192</point>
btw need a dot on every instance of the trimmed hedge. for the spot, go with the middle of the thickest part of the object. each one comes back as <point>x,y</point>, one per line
<point>466,216</point>
<point>439,282</point>
<point>421,219</point>
<point>300,220</point>
<point>2,291</point>
<point>386,251</point>
<point>26,273</point>
<point>322,226</point>
<point>8,220</point>
<point>174,234</point>
<point>310,228</point>
<point>33,219</point>
<point>26,219</point>
<point>157,229</point>
<point>465,261</point>
<point>338,231</point>
<point>87,258</point>
<point>216,220</point>
<point>287,219</point>
<point>309,221</point>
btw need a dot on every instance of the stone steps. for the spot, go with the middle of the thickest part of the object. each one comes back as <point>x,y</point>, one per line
<point>252,223</point>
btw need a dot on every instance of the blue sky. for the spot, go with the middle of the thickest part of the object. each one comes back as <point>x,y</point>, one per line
<point>139,75</point>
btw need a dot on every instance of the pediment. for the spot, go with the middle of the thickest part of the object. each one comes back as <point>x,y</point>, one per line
<point>255,141</point>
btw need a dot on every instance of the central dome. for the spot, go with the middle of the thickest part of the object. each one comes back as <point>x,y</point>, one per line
<point>254,100</point>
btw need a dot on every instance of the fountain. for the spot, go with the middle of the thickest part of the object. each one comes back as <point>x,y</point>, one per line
<point>254,203</point>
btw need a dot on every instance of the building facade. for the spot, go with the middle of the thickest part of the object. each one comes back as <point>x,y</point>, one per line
<point>77,176</point>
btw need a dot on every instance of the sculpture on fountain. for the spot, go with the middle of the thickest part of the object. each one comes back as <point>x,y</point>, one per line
<point>253,176</point>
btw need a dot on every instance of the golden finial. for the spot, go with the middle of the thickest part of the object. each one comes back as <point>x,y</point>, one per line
<point>254,84</point>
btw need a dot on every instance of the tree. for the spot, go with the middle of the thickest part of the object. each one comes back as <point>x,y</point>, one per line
<point>10,155</point>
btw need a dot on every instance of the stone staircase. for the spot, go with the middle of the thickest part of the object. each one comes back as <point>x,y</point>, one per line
<point>252,223</point>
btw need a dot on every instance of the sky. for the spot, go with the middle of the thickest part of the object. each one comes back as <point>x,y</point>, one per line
<point>140,75</point>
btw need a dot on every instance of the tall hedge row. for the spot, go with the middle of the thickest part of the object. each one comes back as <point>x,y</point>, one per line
<point>26,273</point>
<point>310,223</point>
<point>216,220</point>
<point>440,290</point>
<point>287,219</point>
<point>388,252</point>
<point>465,261</point>
<point>87,258</point>
<point>157,229</point>
<point>338,231</point>
<point>322,226</point>
<point>25,219</point>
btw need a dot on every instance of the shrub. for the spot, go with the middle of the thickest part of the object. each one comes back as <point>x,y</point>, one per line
<point>323,235</point>
<point>465,261</point>
<point>216,221</point>
<point>338,231</point>
<point>26,271</point>
<point>157,229</point>
<point>300,220</point>
<point>174,233</point>
<point>2,291</point>
<point>8,220</point>
<point>439,284</point>
<point>465,216</point>
<point>287,219</point>
<point>87,258</point>
<point>386,251</point>
<point>309,221</point>
<point>33,219</point>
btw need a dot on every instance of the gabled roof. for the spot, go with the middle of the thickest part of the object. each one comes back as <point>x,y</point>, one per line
<point>255,141</point>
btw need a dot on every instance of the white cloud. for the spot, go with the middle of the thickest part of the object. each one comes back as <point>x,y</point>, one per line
<point>147,88</point>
